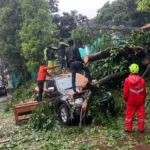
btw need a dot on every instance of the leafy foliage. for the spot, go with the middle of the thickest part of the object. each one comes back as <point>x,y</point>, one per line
<point>37,30</point>
<point>141,38</point>
<point>92,137</point>
<point>144,5</point>
<point>10,43</point>
<point>26,27</point>
<point>68,22</point>
<point>98,113</point>
<point>44,117</point>
<point>110,136</point>
<point>21,94</point>
<point>122,12</point>
<point>82,34</point>
<point>53,5</point>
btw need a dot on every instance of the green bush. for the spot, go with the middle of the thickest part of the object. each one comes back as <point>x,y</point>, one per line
<point>21,94</point>
<point>98,113</point>
<point>44,117</point>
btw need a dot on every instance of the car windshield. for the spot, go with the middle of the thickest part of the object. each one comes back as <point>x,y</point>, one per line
<point>66,83</point>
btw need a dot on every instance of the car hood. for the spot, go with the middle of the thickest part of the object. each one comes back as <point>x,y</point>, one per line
<point>68,92</point>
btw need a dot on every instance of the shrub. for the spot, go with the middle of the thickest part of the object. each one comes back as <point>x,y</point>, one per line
<point>21,94</point>
<point>44,117</point>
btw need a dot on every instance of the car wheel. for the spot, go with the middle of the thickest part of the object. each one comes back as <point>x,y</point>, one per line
<point>64,114</point>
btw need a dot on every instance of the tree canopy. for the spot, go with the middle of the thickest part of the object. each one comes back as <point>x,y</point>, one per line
<point>122,12</point>
<point>25,29</point>
<point>68,22</point>
<point>37,30</point>
<point>10,25</point>
<point>144,5</point>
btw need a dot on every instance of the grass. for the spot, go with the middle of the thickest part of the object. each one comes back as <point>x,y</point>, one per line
<point>111,136</point>
<point>69,138</point>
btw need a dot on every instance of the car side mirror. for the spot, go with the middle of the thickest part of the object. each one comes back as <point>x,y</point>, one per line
<point>50,89</point>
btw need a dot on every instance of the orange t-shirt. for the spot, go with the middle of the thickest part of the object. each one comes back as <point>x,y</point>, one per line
<point>43,72</point>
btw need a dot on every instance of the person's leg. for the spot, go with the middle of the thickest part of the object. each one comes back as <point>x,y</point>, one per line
<point>50,63</point>
<point>88,74</point>
<point>141,117</point>
<point>86,69</point>
<point>130,112</point>
<point>40,85</point>
<point>61,62</point>
<point>54,63</point>
<point>73,71</point>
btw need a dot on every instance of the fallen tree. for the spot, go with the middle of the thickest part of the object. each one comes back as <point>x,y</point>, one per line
<point>131,53</point>
<point>107,79</point>
<point>126,52</point>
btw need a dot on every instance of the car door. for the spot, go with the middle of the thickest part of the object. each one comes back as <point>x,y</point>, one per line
<point>54,93</point>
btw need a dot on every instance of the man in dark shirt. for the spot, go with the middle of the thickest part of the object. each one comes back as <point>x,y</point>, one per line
<point>50,57</point>
<point>75,63</point>
<point>61,53</point>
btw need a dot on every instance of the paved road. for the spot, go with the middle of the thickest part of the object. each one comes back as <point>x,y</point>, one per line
<point>4,98</point>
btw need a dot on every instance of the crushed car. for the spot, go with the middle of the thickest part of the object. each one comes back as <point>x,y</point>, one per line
<point>68,105</point>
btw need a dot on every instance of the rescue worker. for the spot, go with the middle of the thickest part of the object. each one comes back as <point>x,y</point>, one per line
<point>75,63</point>
<point>61,53</point>
<point>42,76</point>
<point>134,94</point>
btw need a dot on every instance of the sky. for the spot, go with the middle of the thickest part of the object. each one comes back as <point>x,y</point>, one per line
<point>85,7</point>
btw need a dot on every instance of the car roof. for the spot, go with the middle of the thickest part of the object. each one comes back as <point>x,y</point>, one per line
<point>79,78</point>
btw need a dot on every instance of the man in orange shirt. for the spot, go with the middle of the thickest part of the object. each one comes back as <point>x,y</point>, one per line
<point>42,76</point>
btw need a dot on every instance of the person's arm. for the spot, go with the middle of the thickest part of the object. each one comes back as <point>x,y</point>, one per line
<point>48,74</point>
<point>66,58</point>
<point>46,53</point>
<point>45,58</point>
<point>145,94</point>
<point>50,67</point>
<point>125,91</point>
<point>78,54</point>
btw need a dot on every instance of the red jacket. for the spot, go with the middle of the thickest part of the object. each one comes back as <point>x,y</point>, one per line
<point>43,72</point>
<point>134,91</point>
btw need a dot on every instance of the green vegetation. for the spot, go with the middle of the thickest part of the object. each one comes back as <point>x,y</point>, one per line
<point>144,5</point>
<point>123,13</point>
<point>44,117</point>
<point>21,94</point>
<point>37,30</point>
<point>26,27</point>
<point>110,136</point>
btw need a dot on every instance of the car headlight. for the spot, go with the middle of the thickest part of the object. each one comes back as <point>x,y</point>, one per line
<point>78,101</point>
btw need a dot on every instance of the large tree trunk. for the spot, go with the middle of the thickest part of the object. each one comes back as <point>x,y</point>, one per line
<point>127,52</point>
<point>108,78</point>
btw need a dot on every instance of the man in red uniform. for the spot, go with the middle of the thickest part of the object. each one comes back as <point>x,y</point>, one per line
<point>134,94</point>
<point>41,78</point>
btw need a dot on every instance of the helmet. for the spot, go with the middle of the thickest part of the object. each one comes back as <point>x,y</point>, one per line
<point>134,68</point>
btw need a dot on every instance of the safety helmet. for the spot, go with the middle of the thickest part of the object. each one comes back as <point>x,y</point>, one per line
<point>134,68</point>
